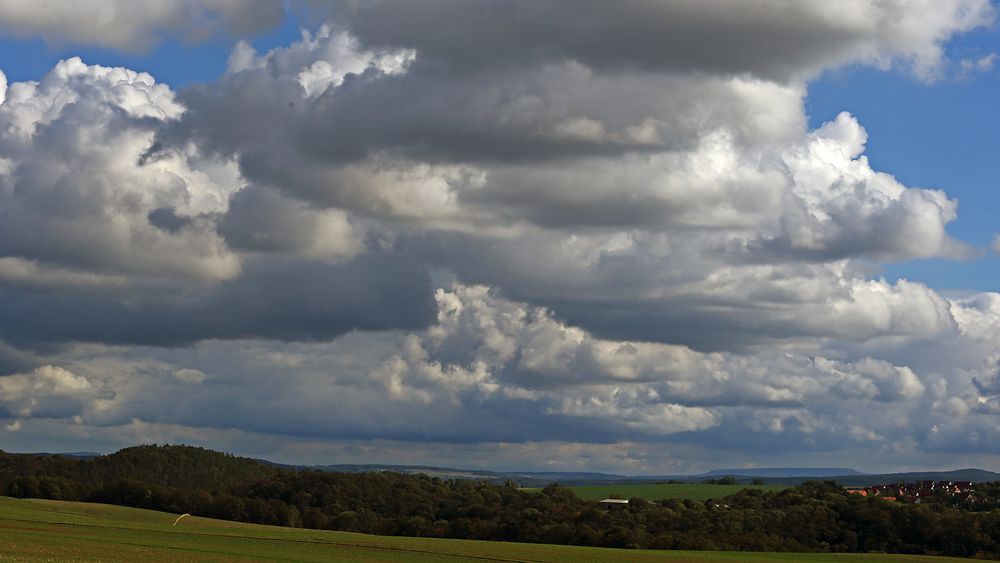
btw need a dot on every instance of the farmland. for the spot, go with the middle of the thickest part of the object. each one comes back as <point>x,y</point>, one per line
<point>657,491</point>
<point>57,530</point>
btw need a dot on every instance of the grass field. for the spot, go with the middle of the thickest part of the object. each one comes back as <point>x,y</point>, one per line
<point>41,530</point>
<point>653,491</point>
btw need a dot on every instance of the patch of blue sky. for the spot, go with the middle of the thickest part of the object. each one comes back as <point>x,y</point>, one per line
<point>941,135</point>
<point>172,61</point>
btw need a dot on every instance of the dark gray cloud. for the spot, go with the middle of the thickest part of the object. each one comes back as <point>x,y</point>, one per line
<point>988,384</point>
<point>435,114</point>
<point>771,39</point>
<point>263,220</point>
<point>13,360</point>
<point>132,26</point>
<point>166,218</point>
<point>275,298</point>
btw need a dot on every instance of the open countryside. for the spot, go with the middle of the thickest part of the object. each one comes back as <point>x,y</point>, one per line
<point>32,529</point>
<point>816,517</point>
<point>659,491</point>
<point>499,280</point>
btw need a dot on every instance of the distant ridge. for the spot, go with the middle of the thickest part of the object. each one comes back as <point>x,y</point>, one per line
<point>821,472</point>
<point>769,475</point>
<point>83,455</point>
<point>525,477</point>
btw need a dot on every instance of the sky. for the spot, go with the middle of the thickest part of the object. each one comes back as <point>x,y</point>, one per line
<point>643,237</point>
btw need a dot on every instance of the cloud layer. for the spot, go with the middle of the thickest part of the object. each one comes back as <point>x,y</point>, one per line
<point>511,233</point>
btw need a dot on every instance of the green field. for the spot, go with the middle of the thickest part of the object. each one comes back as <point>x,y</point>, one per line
<point>42,530</point>
<point>653,491</point>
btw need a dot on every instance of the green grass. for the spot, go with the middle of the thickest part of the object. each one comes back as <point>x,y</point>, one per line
<point>41,530</point>
<point>653,491</point>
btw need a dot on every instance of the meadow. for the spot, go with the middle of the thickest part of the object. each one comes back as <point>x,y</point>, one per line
<point>658,491</point>
<point>34,530</point>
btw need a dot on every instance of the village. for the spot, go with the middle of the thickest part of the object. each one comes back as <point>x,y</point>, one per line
<point>962,491</point>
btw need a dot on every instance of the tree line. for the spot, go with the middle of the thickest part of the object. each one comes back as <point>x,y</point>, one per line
<point>814,517</point>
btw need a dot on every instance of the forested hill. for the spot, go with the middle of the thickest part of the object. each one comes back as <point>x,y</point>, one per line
<point>811,517</point>
<point>184,467</point>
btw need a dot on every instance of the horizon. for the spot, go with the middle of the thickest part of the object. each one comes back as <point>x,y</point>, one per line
<point>712,471</point>
<point>659,237</point>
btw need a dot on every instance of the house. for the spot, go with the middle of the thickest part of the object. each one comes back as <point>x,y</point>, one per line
<point>613,503</point>
<point>962,491</point>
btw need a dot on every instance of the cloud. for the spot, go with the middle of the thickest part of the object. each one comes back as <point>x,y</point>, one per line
<point>74,193</point>
<point>433,143</point>
<point>983,64</point>
<point>772,39</point>
<point>693,269</point>
<point>273,298</point>
<point>49,392</point>
<point>126,248</point>
<point>531,177</point>
<point>14,360</point>
<point>128,26</point>
<point>260,219</point>
<point>495,370</point>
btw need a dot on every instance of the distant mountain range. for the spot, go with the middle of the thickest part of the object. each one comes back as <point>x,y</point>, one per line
<point>83,455</point>
<point>769,475</point>
<point>785,472</point>
<point>525,478</point>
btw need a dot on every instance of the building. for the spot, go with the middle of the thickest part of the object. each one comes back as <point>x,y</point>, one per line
<point>613,503</point>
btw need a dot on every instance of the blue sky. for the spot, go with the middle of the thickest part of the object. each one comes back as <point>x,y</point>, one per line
<point>940,135</point>
<point>435,234</point>
<point>173,61</point>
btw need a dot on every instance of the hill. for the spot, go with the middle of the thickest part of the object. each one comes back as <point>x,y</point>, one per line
<point>58,531</point>
<point>817,516</point>
<point>800,472</point>
<point>75,477</point>
<point>661,491</point>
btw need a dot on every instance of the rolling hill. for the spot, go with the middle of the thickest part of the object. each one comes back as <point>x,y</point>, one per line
<point>39,530</point>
